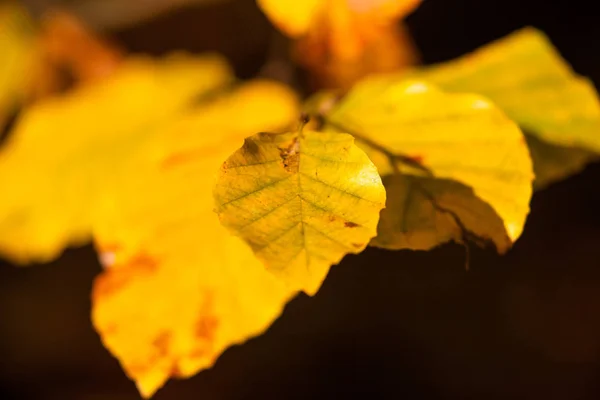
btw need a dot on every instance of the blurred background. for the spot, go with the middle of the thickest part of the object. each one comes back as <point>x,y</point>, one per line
<point>385,324</point>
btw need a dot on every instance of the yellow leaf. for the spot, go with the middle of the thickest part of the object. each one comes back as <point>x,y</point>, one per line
<point>295,18</point>
<point>178,289</point>
<point>302,201</point>
<point>65,151</point>
<point>527,78</point>
<point>340,41</point>
<point>17,56</point>
<point>552,163</point>
<point>291,16</point>
<point>412,127</point>
<point>423,212</point>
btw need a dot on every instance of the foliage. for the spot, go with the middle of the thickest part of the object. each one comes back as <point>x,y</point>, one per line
<point>70,169</point>
<point>461,137</point>
<point>526,77</point>
<point>177,288</point>
<point>18,54</point>
<point>302,200</point>
<point>341,41</point>
<point>206,228</point>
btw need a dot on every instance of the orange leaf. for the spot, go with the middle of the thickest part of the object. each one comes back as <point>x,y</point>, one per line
<point>178,289</point>
<point>340,41</point>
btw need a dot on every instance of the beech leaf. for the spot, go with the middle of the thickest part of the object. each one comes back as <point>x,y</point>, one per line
<point>411,127</point>
<point>528,79</point>
<point>423,212</point>
<point>341,41</point>
<point>552,163</point>
<point>178,289</point>
<point>18,54</point>
<point>302,200</point>
<point>64,152</point>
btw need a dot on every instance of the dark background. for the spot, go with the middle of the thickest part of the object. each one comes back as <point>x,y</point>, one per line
<point>385,324</point>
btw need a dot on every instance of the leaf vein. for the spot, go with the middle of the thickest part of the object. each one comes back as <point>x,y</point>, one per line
<point>336,188</point>
<point>256,190</point>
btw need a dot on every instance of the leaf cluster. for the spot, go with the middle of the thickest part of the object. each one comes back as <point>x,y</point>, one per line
<point>212,202</point>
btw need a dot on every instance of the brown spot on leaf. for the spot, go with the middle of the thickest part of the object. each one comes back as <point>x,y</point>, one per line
<point>332,218</point>
<point>119,276</point>
<point>176,372</point>
<point>161,343</point>
<point>350,224</point>
<point>290,156</point>
<point>207,322</point>
<point>206,327</point>
<point>291,163</point>
<point>358,245</point>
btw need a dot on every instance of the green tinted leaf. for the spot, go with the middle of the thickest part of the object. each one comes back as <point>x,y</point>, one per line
<point>302,201</point>
<point>528,79</point>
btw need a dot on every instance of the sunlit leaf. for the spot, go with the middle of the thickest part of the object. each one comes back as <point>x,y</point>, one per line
<point>65,151</point>
<point>527,78</point>
<point>17,57</point>
<point>293,17</point>
<point>340,41</point>
<point>179,289</point>
<point>302,201</point>
<point>410,127</point>
<point>296,18</point>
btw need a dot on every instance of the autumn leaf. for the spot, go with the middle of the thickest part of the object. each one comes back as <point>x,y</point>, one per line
<point>67,45</point>
<point>423,212</point>
<point>552,163</point>
<point>64,152</point>
<point>17,54</point>
<point>178,289</point>
<point>411,127</point>
<point>527,78</point>
<point>41,58</point>
<point>340,41</point>
<point>293,17</point>
<point>302,200</point>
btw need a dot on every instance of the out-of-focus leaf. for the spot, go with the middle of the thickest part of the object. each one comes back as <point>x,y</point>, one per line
<point>18,53</point>
<point>178,289</point>
<point>65,151</point>
<point>293,17</point>
<point>70,46</point>
<point>340,41</point>
<point>297,18</point>
<point>414,128</point>
<point>302,201</point>
<point>552,163</point>
<point>526,77</point>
